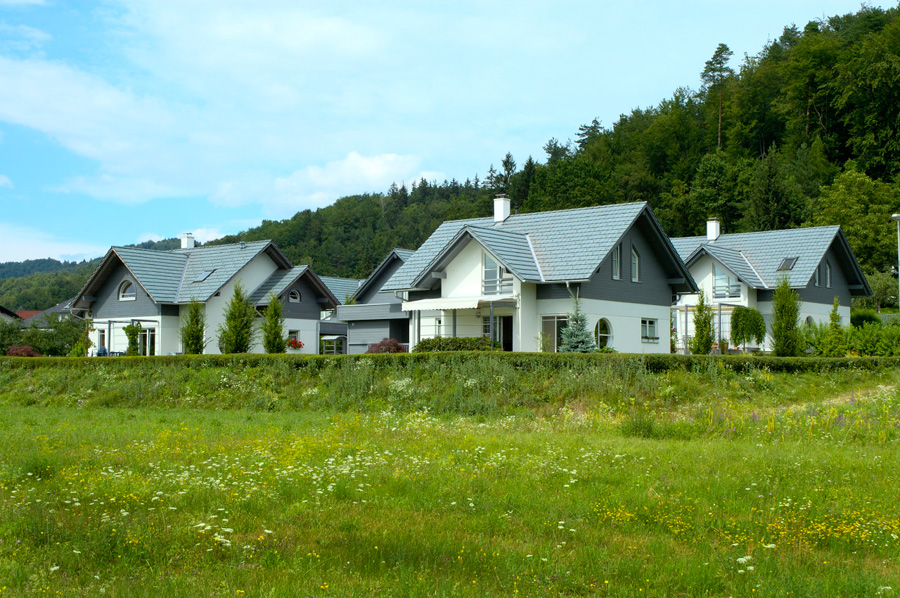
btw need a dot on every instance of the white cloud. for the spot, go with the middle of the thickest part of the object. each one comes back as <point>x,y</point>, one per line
<point>19,243</point>
<point>5,182</point>
<point>21,38</point>
<point>207,234</point>
<point>148,237</point>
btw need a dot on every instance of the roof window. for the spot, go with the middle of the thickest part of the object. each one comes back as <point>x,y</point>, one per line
<point>786,264</point>
<point>204,275</point>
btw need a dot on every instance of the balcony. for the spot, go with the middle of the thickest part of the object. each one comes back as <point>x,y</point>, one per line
<point>727,291</point>
<point>497,286</point>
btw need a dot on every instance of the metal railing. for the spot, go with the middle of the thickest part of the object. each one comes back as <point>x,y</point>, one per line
<point>498,286</point>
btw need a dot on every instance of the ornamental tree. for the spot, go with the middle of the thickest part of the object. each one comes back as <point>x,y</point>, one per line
<point>236,333</point>
<point>274,340</point>
<point>704,337</point>
<point>575,337</point>
<point>193,329</point>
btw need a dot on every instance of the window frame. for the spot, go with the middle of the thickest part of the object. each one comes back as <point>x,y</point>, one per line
<point>617,262</point>
<point>124,286</point>
<point>646,324</point>
<point>635,264</point>
<point>557,329</point>
<point>291,294</point>
<point>607,337</point>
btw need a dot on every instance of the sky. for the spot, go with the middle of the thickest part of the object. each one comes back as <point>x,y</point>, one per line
<point>128,120</point>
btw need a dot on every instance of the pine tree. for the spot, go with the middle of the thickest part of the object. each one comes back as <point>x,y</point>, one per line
<point>575,337</point>
<point>193,329</point>
<point>786,333</point>
<point>702,341</point>
<point>236,333</point>
<point>274,340</point>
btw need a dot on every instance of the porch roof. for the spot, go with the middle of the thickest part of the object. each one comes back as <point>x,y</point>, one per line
<point>448,303</point>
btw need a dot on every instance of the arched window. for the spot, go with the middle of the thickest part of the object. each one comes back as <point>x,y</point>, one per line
<point>126,291</point>
<point>635,265</point>
<point>603,333</point>
<point>294,296</point>
<point>810,321</point>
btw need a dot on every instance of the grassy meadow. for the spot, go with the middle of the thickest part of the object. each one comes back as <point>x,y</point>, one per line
<point>598,481</point>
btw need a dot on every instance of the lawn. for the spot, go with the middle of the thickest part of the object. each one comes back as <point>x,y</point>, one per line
<point>132,502</point>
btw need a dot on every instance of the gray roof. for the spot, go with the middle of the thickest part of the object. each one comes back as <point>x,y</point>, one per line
<point>755,257</point>
<point>402,254</point>
<point>180,275</point>
<point>277,283</point>
<point>341,288</point>
<point>558,246</point>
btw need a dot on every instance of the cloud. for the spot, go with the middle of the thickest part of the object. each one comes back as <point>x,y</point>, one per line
<point>148,237</point>
<point>5,182</point>
<point>18,243</point>
<point>21,38</point>
<point>203,235</point>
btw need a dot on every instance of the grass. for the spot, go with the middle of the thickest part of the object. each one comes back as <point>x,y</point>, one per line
<point>622,484</point>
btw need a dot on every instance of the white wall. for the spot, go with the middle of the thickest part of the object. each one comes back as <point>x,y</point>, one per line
<point>464,273</point>
<point>527,321</point>
<point>308,334</point>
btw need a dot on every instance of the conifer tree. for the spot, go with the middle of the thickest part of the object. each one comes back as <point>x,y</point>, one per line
<point>193,329</point>
<point>786,333</point>
<point>274,340</point>
<point>575,337</point>
<point>236,333</point>
<point>702,341</point>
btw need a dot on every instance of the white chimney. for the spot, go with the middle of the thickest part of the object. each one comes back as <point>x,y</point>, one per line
<point>187,241</point>
<point>501,207</point>
<point>713,229</point>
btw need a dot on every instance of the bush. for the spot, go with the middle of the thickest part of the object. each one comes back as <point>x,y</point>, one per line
<point>236,333</point>
<point>747,325</point>
<point>193,329</point>
<point>864,316</point>
<point>457,343</point>
<point>22,351</point>
<point>274,340</point>
<point>702,341</point>
<point>386,345</point>
<point>133,334</point>
<point>786,333</point>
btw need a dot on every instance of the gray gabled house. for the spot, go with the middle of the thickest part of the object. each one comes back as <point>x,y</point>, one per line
<point>372,314</point>
<point>744,269</point>
<point>153,288</point>
<point>514,278</point>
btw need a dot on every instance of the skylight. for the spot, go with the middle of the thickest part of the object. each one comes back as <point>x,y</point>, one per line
<point>204,275</point>
<point>787,264</point>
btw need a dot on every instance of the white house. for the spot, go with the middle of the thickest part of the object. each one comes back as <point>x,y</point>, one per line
<point>744,269</point>
<point>154,288</point>
<point>514,277</point>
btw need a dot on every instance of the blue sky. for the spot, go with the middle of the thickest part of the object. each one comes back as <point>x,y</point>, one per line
<point>128,120</point>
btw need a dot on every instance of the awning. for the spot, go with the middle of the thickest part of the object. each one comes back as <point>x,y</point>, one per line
<point>449,303</point>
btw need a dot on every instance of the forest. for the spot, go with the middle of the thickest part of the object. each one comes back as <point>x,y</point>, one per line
<point>804,133</point>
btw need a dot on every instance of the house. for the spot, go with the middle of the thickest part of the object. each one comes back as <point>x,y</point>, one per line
<point>333,331</point>
<point>154,288</point>
<point>744,269</point>
<point>41,319</point>
<point>373,314</point>
<point>514,278</point>
<point>7,315</point>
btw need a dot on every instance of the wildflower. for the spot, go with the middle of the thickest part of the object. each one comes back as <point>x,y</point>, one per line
<point>769,546</point>
<point>744,559</point>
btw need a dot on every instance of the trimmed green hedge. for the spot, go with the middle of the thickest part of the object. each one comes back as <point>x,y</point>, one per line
<point>656,363</point>
<point>455,343</point>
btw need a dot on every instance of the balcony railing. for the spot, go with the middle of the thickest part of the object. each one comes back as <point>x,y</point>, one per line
<point>497,286</point>
<point>725,291</point>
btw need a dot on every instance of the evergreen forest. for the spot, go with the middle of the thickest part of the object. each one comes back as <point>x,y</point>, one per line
<point>804,133</point>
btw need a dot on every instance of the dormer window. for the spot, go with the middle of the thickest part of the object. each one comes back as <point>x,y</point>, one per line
<point>126,291</point>
<point>294,296</point>
<point>204,275</point>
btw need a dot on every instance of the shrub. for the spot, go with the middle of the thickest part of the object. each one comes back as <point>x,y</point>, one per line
<point>236,333</point>
<point>387,345</point>
<point>786,334</point>
<point>834,344</point>
<point>702,341</point>
<point>274,340</point>
<point>193,329</point>
<point>747,325</point>
<point>22,351</point>
<point>864,316</point>
<point>132,333</point>
<point>455,343</point>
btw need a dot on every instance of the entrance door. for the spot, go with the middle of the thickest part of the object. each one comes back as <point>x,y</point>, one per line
<point>506,328</point>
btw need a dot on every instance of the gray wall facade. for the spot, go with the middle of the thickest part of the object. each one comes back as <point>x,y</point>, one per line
<point>309,307</point>
<point>362,334</point>
<point>372,294</point>
<point>823,294</point>
<point>108,305</point>
<point>653,288</point>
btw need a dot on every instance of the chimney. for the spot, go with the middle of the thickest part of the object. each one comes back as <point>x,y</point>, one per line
<point>713,229</point>
<point>501,207</point>
<point>187,241</point>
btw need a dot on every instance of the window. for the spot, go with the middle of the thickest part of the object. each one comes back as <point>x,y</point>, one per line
<point>147,341</point>
<point>437,328</point>
<point>724,284</point>
<point>786,264</point>
<point>486,328</point>
<point>617,262</point>
<point>495,280</point>
<point>551,332</point>
<point>294,296</point>
<point>827,275</point>
<point>816,276</point>
<point>635,265</point>
<point>126,291</point>
<point>293,335</point>
<point>204,275</point>
<point>603,333</point>
<point>101,338</point>
<point>648,331</point>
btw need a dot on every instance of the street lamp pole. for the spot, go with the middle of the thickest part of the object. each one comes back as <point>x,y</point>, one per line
<point>896,218</point>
